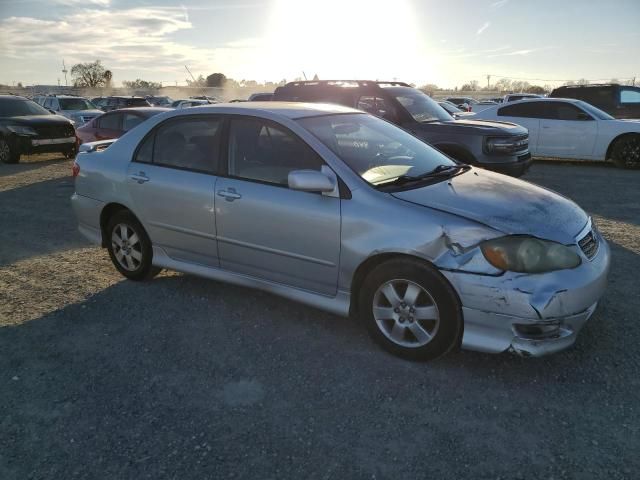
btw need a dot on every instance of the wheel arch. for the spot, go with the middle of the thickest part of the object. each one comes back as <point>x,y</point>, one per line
<point>107,212</point>
<point>370,263</point>
<point>615,140</point>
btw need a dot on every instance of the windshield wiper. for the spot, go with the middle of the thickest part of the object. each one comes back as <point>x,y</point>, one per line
<point>439,171</point>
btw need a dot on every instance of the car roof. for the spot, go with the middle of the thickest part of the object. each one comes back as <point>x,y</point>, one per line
<point>293,110</point>
<point>142,110</point>
<point>543,99</point>
<point>14,97</point>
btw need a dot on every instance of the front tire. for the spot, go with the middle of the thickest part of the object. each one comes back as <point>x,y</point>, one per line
<point>626,152</point>
<point>411,310</point>
<point>129,247</point>
<point>8,154</point>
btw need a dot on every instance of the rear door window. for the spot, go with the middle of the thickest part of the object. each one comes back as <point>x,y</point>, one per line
<point>129,121</point>
<point>188,143</point>
<point>378,106</point>
<point>110,122</point>
<point>525,110</point>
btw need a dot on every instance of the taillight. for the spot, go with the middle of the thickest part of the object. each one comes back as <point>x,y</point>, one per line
<point>75,170</point>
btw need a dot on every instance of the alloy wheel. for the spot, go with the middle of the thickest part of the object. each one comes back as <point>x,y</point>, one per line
<point>126,247</point>
<point>631,153</point>
<point>5,153</point>
<point>406,313</point>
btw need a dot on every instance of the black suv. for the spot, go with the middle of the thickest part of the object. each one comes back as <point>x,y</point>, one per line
<point>114,103</point>
<point>26,128</point>
<point>499,146</point>
<point>619,101</point>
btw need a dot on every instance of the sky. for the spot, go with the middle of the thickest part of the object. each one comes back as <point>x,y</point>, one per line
<point>447,43</point>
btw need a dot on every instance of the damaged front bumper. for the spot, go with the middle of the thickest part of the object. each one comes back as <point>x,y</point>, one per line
<point>530,314</point>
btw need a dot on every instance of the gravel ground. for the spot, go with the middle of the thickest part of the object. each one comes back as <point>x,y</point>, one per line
<point>184,378</point>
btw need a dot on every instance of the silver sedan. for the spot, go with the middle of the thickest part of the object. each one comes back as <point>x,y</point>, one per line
<point>345,212</point>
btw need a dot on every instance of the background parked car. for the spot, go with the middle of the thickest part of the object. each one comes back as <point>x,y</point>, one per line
<point>619,101</point>
<point>191,103</point>
<point>116,123</point>
<point>77,109</point>
<point>454,111</point>
<point>117,102</point>
<point>260,97</point>
<point>464,103</point>
<point>497,146</point>
<point>567,128</point>
<point>159,101</point>
<point>27,128</point>
<point>514,97</point>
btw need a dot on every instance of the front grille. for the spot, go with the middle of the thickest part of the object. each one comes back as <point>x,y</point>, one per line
<point>521,143</point>
<point>589,244</point>
<point>55,131</point>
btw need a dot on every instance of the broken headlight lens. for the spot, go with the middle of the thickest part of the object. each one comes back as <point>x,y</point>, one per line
<point>528,254</point>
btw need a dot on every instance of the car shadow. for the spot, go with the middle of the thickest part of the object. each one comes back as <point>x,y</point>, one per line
<point>31,162</point>
<point>601,189</point>
<point>32,224</point>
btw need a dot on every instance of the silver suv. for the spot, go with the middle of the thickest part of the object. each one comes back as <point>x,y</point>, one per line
<point>77,109</point>
<point>343,211</point>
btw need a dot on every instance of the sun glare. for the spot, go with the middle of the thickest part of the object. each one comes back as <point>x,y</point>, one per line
<point>374,39</point>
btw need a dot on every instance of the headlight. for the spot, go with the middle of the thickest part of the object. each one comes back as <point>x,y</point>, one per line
<point>22,130</point>
<point>505,144</point>
<point>528,255</point>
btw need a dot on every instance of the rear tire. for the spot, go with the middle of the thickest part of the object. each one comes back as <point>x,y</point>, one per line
<point>129,247</point>
<point>626,152</point>
<point>8,154</point>
<point>410,310</point>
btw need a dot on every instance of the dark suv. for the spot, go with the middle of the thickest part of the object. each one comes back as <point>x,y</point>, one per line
<point>619,101</point>
<point>26,128</point>
<point>499,146</point>
<point>114,103</point>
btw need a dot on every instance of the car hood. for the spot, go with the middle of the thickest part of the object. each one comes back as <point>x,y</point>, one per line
<point>36,120</point>
<point>81,113</point>
<point>482,127</point>
<point>503,203</point>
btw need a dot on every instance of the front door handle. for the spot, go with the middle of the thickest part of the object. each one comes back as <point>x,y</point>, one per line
<point>139,177</point>
<point>229,195</point>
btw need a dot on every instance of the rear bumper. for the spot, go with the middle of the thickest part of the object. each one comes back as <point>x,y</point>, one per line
<point>87,211</point>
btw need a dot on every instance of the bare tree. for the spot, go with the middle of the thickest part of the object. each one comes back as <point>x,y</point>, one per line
<point>108,76</point>
<point>88,74</point>
<point>139,84</point>
<point>198,82</point>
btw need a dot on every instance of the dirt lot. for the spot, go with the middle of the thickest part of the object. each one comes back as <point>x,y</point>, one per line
<point>188,378</point>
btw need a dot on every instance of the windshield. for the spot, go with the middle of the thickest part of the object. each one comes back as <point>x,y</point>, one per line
<point>596,112</point>
<point>421,107</point>
<point>20,108</point>
<point>75,104</point>
<point>450,107</point>
<point>375,149</point>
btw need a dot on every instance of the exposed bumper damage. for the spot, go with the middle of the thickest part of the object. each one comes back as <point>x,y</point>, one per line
<point>529,314</point>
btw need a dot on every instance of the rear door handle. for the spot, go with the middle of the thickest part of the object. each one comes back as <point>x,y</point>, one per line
<point>139,177</point>
<point>229,195</point>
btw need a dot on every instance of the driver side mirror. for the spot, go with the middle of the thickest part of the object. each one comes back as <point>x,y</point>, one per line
<point>310,181</point>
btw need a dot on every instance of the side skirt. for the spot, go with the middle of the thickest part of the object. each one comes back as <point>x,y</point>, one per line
<point>338,305</point>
